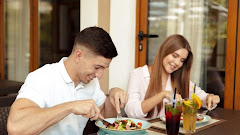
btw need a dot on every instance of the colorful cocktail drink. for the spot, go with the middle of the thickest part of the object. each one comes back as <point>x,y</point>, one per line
<point>189,116</point>
<point>190,109</point>
<point>172,115</point>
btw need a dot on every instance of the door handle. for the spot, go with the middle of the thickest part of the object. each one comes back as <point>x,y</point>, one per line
<point>141,35</point>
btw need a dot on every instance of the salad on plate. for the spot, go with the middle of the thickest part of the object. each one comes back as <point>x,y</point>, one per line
<point>125,124</point>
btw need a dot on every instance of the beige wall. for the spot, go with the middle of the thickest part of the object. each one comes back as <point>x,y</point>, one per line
<point>88,13</point>
<point>118,17</point>
<point>94,13</point>
<point>104,22</point>
<point>122,31</point>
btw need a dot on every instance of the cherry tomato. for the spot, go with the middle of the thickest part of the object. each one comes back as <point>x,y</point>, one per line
<point>140,124</point>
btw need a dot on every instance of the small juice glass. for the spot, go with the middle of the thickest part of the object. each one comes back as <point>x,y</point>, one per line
<point>172,116</point>
<point>189,110</point>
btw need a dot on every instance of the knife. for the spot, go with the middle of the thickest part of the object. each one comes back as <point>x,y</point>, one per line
<point>106,123</point>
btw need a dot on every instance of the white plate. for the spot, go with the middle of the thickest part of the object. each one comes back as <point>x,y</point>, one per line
<point>206,118</point>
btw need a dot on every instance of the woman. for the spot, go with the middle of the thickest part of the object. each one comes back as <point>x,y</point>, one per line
<point>150,86</point>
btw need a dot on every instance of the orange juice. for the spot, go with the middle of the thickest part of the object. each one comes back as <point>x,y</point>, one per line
<point>190,109</point>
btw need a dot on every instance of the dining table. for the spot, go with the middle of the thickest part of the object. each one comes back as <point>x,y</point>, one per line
<point>229,123</point>
<point>230,126</point>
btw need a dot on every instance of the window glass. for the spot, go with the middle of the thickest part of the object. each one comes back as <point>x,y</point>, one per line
<point>59,22</point>
<point>16,39</point>
<point>204,24</point>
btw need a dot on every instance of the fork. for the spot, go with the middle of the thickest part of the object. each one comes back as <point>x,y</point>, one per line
<point>106,123</point>
<point>205,112</point>
<point>119,116</point>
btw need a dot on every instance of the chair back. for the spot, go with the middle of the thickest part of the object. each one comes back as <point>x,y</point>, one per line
<point>7,100</point>
<point>4,112</point>
<point>5,104</point>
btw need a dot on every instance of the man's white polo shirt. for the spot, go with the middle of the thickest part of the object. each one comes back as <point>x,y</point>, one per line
<point>51,85</point>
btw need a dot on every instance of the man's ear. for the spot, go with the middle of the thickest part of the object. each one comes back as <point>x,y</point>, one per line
<point>78,54</point>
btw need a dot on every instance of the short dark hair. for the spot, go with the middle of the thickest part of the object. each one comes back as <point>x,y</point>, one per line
<point>97,40</point>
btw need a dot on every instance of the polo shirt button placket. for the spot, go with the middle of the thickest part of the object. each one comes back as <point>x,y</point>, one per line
<point>73,91</point>
<point>75,95</point>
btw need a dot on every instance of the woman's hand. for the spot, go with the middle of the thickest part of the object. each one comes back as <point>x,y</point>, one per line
<point>168,95</point>
<point>212,100</point>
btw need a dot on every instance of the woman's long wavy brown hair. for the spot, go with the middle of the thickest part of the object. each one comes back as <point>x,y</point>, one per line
<point>179,79</point>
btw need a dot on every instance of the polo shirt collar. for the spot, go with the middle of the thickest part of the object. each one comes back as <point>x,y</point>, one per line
<point>65,75</point>
<point>80,85</point>
<point>63,71</point>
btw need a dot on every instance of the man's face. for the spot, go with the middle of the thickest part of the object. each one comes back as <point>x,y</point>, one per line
<point>92,66</point>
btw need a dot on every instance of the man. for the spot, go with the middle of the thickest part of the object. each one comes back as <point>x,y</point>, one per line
<point>59,98</point>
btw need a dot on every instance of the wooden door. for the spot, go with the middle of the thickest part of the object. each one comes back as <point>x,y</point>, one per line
<point>141,25</point>
<point>237,54</point>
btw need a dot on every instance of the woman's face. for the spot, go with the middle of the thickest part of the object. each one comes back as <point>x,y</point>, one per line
<point>175,60</point>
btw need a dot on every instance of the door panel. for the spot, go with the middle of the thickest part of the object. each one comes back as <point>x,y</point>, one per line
<point>237,79</point>
<point>33,35</point>
<point>230,55</point>
<point>141,21</point>
<point>1,39</point>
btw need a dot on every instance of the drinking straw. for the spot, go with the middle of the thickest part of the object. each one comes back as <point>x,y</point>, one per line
<point>194,88</point>
<point>174,98</point>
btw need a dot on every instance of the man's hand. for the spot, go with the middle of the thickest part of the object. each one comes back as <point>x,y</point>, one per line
<point>118,98</point>
<point>87,108</point>
<point>212,100</point>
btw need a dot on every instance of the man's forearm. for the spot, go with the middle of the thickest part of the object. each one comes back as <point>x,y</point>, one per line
<point>34,120</point>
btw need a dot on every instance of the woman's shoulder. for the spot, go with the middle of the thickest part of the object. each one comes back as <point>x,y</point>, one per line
<point>141,70</point>
<point>138,69</point>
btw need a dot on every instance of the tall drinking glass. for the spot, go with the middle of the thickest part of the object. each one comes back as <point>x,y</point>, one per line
<point>190,109</point>
<point>172,115</point>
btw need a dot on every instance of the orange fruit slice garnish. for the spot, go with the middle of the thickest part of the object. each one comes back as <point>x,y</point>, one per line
<point>197,100</point>
<point>187,103</point>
